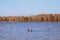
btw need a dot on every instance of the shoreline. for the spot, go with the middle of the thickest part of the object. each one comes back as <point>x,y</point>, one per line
<point>33,18</point>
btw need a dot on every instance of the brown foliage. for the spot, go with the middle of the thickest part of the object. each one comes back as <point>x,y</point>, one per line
<point>36,18</point>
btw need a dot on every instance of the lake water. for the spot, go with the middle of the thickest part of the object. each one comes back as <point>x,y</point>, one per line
<point>40,31</point>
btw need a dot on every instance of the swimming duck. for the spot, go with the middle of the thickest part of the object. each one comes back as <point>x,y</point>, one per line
<point>29,30</point>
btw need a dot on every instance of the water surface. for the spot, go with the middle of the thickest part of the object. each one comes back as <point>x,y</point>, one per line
<point>40,31</point>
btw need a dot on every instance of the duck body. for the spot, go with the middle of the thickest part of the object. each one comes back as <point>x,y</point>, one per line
<point>29,30</point>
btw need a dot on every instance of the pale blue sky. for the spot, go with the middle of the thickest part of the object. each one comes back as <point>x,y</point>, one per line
<point>28,7</point>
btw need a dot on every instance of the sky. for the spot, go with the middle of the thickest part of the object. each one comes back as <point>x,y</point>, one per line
<point>28,7</point>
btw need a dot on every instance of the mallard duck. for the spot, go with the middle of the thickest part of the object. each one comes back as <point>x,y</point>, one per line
<point>29,30</point>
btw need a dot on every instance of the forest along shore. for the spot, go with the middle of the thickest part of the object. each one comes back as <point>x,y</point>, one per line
<point>33,18</point>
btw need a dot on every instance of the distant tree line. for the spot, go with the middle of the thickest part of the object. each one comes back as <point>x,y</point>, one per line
<point>33,18</point>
